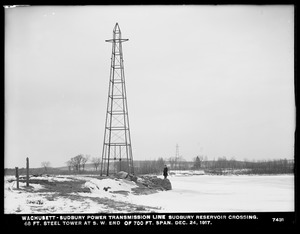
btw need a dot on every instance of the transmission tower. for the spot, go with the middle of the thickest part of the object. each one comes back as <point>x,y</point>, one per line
<point>117,152</point>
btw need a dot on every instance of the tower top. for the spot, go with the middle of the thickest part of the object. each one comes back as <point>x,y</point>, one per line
<point>116,35</point>
<point>117,28</point>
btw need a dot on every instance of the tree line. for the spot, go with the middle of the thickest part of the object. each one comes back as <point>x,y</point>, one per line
<point>77,163</point>
<point>222,165</point>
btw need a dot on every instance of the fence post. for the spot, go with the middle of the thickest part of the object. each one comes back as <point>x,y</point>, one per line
<point>17,177</point>
<point>27,171</point>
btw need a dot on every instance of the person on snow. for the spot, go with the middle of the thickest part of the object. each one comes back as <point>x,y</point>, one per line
<point>165,173</point>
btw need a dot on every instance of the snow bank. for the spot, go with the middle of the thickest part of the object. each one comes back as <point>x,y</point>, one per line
<point>16,201</point>
<point>111,185</point>
<point>22,202</point>
<point>13,185</point>
<point>117,189</point>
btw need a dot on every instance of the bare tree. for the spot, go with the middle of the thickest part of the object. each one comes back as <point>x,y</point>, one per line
<point>73,164</point>
<point>96,162</point>
<point>45,165</point>
<point>69,164</point>
<point>84,160</point>
<point>76,162</point>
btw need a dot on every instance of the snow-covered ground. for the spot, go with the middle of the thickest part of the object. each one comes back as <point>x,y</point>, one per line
<point>37,199</point>
<point>190,193</point>
<point>242,193</point>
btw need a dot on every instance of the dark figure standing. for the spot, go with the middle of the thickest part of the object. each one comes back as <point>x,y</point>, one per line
<point>165,171</point>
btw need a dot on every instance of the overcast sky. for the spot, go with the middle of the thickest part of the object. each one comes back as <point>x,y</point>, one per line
<point>216,80</point>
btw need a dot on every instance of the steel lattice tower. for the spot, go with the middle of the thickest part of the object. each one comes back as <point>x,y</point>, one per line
<point>117,142</point>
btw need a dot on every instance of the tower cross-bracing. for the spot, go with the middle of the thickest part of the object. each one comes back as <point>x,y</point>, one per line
<point>117,149</point>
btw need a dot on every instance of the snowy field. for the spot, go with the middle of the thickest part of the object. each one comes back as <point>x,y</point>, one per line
<point>242,193</point>
<point>190,193</point>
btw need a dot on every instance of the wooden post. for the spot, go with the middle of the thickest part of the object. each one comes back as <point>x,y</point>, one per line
<point>27,171</point>
<point>17,177</point>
